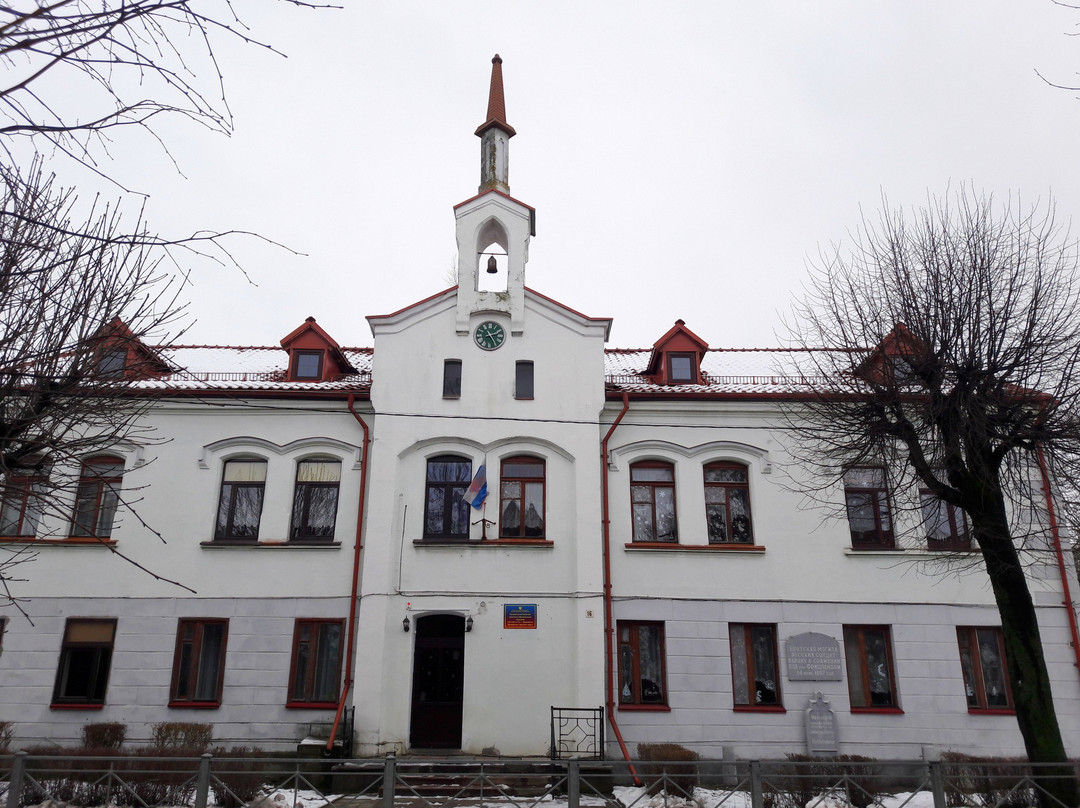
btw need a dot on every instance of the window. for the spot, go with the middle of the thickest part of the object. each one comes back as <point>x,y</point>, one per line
<point>307,364</point>
<point>652,498</point>
<point>315,501</point>
<point>867,497</point>
<point>199,663</point>
<point>85,656</point>
<point>315,673</point>
<point>451,378</point>
<point>871,680</point>
<point>110,364</point>
<point>946,527</point>
<point>521,498</point>
<point>523,380</point>
<point>681,368</point>
<point>20,506</point>
<point>755,672</point>
<point>727,504</point>
<point>97,497</point>
<point>982,659</point>
<point>242,487</point>
<point>641,663</point>
<point>446,514</point>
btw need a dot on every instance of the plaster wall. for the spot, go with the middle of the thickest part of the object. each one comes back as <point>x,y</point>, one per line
<point>257,661</point>
<point>934,716</point>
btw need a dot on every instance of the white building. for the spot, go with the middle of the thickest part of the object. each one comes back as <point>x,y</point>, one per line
<point>312,497</point>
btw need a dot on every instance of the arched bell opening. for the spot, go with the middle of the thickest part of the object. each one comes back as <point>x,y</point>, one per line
<point>492,258</point>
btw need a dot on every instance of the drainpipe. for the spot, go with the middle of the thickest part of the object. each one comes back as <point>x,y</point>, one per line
<point>1056,536</point>
<point>355,576</point>
<point>609,631</point>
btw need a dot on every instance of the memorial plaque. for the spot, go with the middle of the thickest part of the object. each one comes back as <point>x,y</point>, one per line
<point>813,657</point>
<point>821,733</point>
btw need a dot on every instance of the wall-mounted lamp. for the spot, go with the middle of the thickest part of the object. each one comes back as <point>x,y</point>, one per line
<point>405,624</point>
<point>468,622</point>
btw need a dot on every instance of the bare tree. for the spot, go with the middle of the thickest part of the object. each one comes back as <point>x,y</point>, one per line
<point>124,63</point>
<point>81,296</point>
<point>80,291</point>
<point>959,366</point>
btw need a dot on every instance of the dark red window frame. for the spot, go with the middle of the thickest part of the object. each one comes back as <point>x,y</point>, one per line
<point>858,494</point>
<point>728,488</point>
<point>190,660</point>
<point>514,489</point>
<point>864,697</point>
<point>958,537</point>
<point>18,492</point>
<point>692,368</point>
<point>310,657</point>
<point>749,665</point>
<point>97,497</point>
<point>631,675</point>
<point>300,527</point>
<point>643,493</point>
<point>298,356</point>
<point>975,675</point>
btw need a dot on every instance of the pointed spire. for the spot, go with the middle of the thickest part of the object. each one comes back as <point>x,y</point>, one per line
<point>496,111</point>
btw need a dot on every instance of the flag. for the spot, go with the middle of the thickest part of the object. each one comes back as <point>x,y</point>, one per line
<point>477,491</point>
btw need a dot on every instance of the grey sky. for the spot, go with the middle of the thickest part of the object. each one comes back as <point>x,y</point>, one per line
<point>684,158</point>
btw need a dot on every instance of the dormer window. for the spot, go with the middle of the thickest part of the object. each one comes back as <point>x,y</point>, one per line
<point>111,363</point>
<point>681,368</point>
<point>307,365</point>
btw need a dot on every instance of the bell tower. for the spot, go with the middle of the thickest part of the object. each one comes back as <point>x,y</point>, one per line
<point>493,228</point>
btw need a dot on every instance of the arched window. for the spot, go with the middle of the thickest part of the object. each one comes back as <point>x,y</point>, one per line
<point>521,498</point>
<point>652,498</point>
<point>315,500</point>
<point>727,504</point>
<point>242,486</point>
<point>21,503</point>
<point>446,514</point>
<point>97,497</point>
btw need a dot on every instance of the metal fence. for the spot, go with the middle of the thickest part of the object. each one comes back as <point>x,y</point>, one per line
<point>415,782</point>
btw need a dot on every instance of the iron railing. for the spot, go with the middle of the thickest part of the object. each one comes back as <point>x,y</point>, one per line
<point>577,731</point>
<point>231,781</point>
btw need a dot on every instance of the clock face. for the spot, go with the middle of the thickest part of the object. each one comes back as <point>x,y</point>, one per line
<point>489,335</point>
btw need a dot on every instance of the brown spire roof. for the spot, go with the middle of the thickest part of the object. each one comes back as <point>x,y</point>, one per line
<point>496,111</point>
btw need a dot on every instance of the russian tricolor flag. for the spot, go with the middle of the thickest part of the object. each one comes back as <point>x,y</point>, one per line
<point>477,491</point>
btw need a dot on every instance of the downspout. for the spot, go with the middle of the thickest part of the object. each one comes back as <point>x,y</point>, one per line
<point>355,577</point>
<point>609,631</point>
<point>1056,536</point>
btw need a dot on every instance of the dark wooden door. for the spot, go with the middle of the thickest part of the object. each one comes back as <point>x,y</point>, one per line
<point>438,682</point>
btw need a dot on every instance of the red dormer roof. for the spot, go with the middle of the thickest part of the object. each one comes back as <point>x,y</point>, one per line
<point>496,111</point>
<point>311,338</point>
<point>139,360</point>
<point>678,340</point>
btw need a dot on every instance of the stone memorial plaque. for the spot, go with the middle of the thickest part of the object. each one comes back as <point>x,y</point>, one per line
<point>813,657</point>
<point>821,733</point>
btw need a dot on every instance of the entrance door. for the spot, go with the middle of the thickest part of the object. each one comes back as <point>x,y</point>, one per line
<point>438,682</point>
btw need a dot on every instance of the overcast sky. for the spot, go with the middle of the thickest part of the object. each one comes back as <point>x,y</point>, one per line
<point>685,159</point>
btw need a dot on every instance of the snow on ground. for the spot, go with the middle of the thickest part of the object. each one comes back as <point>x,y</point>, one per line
<point>632,797</point>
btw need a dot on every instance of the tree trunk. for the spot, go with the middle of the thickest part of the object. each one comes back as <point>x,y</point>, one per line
<point>1026,663</point>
